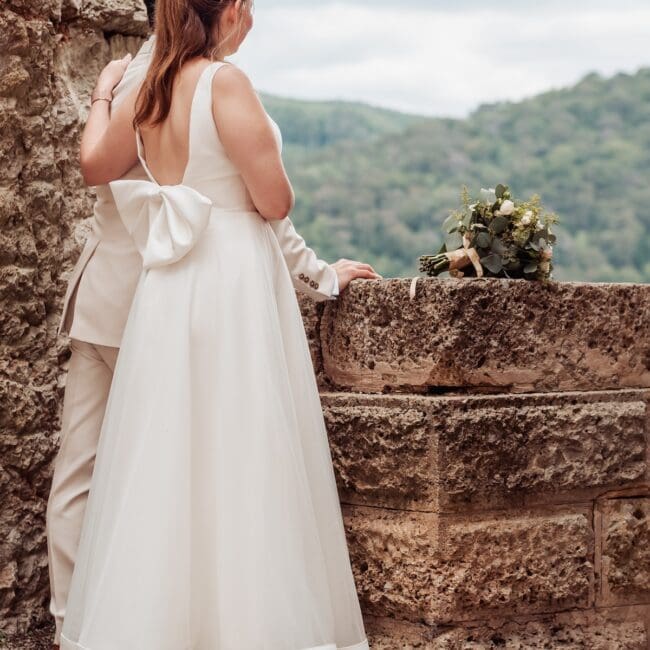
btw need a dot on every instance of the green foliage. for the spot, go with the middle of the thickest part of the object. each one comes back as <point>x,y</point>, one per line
<point>376,185</point>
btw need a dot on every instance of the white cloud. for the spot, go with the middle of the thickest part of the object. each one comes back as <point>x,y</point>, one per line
<point>435,58</point>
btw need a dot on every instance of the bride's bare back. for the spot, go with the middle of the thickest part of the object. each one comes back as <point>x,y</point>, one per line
<point>242,124</point>
<point>167,144</point>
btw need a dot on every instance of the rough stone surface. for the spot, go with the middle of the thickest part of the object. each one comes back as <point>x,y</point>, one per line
<point>573,632</point>
<point>50,54</point>
<point>487,334</point>
<point>383,449</point>
<point>438,569</point>
<point>312,312</point>
<point>625,563</point>
<point>497,510</point>
<point>438,453</point>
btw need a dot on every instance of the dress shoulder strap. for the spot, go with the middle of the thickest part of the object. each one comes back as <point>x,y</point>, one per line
<point>203,133</point>
<point>141,158</point>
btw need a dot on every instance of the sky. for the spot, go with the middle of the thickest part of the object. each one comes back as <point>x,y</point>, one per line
<point>439,57</point>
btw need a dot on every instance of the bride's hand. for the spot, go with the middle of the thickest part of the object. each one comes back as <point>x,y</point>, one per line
<point>348,270</point>
<point>111,75</point>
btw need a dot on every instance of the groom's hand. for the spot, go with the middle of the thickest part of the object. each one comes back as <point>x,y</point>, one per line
<point>348,270</point>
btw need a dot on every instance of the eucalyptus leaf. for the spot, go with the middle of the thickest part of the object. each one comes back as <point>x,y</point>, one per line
<point>499,224</point>
<point>531,267</point>
<point>453,241</point>
<point>483,240</point>
<point>499,190</point>
<point>449,222</point>
<point>492,262</point>
<point>498,246</point>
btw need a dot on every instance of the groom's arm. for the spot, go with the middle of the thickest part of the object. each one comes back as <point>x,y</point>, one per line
<point>309,274</point>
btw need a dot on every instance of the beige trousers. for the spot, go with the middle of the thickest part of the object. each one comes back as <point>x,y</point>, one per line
<point>89,380</point>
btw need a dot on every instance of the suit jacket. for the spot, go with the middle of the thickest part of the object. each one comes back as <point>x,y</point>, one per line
<point>103,281</point>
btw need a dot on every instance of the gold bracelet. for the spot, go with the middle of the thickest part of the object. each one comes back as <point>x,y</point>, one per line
<point>97,99</point>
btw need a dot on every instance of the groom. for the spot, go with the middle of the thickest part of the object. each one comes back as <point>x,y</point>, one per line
<point>95,310</point>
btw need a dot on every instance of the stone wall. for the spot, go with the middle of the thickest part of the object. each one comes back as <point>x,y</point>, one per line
<point>50,54</point>
<point>490,439</point>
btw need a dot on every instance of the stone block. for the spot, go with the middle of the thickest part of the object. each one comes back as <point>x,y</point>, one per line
<point>487,335</point>
<point>624,550</point>
<point>586,631</point>
<point>436,569</point>
<point>456,454</point>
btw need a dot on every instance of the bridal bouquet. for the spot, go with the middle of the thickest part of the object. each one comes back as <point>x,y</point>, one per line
<point>496,236</point>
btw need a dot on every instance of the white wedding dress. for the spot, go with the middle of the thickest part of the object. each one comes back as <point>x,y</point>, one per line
<point>213,520</point>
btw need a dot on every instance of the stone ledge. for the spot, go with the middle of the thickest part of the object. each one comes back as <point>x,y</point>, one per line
<point>486,335</point>
<point>472,453</point>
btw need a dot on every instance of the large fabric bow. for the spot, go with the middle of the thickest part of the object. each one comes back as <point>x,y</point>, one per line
<point>165,221</point>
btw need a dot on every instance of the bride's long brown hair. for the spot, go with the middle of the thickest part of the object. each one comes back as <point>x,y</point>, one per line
<point>184,29</point>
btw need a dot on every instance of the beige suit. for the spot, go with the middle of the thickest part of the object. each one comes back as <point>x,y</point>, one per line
<point>95,310</point>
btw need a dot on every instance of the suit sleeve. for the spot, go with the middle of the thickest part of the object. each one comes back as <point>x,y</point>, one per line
<point>136,71</point>
<point>309,274</point>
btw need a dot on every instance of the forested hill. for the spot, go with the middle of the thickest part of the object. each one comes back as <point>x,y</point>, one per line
<point>375,185</point>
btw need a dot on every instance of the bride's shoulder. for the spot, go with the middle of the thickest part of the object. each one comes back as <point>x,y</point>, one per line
<point>231,78</point>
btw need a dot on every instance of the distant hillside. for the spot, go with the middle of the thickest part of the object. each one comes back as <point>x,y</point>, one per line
<point>313,124</point>
<point>376,185</point>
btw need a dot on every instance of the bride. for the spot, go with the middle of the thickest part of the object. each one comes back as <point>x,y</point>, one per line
<point>213,520</point>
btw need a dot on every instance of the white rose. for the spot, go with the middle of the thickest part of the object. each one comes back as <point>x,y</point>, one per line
<point>539,226</point>
<point>506,209</point>
<point>526,218</point>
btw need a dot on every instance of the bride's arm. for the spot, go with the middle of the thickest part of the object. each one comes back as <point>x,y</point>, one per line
<point>247,136</point>
<point>108,148</point>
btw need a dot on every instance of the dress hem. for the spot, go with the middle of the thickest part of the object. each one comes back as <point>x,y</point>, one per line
<point>67,644</point>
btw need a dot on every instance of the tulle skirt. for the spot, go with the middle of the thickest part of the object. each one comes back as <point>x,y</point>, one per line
<point>213,520</point>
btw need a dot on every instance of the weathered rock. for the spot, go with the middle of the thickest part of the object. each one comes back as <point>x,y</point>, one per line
<point>496,512</point>
<point>487,334</point>
<point>50,55</point>
<point>312,312</point>
<point>575,632</point>
<point>438,453</point>
<point>122,16</point>
<point>625,549</point>
<point>439,569</point>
